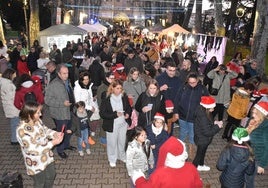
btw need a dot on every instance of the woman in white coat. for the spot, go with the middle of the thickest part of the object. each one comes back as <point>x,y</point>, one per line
<point>8,90</point>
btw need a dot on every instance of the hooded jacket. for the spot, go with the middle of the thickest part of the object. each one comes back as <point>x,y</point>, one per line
<point>234,163</point>
<point>83,94</point>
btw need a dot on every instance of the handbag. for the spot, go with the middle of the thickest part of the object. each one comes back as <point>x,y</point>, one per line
<point>215,91</point>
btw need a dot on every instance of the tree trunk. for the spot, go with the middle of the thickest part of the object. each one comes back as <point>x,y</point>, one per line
<point>188,14</point>
<point>219,27</point>
<point>2,35</point>
<point>34,24</point>
<point>198,16</point>
<point>260,33</point>
<point>232,20</point>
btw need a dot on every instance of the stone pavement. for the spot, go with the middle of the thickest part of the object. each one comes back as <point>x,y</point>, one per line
<point>93,170</point>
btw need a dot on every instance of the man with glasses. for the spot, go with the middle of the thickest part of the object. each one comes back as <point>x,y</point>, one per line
<point>186,101</point>
<point>169,83</point>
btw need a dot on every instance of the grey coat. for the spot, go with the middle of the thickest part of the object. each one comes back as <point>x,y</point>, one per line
<point>55,96</point>
<point>223,96</point>
<point>8,90</point>
<point>134,88</point>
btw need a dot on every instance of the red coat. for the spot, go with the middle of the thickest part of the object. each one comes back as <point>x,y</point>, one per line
<point>19,95</point>
<point>22,67</point>
<point>186,177</point>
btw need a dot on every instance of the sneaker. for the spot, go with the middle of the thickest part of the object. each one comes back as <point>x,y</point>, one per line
<point>81,153</point>
<point>91,141</point>
<point>203,168</point>
<point>92,133</point>
<point>112,164</point>
<point>88,151</point>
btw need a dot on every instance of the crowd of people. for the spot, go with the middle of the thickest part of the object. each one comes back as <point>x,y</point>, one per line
<point>133,94</point>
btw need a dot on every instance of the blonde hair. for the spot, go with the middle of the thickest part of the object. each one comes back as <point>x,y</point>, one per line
<point>113,84</point>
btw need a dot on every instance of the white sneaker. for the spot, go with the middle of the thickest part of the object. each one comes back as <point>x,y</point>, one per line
<point>92,133</point>
<point>81,153</point>
<point>112,164</point>
<point>203,168</point>
<point>88,151</point>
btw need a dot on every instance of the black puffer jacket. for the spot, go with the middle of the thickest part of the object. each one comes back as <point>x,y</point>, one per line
<point>234,163</point>
<point>204,128</point>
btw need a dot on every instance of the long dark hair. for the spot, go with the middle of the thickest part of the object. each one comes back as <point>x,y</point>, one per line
<point>81,79</point>
<point>28,110</point>
<point>133,134</point>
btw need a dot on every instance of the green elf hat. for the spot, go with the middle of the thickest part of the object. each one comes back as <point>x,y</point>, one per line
<point>240,135</point>
<point>23,52</point>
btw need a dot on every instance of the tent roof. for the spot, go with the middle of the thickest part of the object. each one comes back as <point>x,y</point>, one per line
<point>93,28</point>
<point>62,29</point>
<point>175,28</point>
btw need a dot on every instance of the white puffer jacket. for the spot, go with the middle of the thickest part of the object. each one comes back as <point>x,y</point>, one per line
<point>81,94</point>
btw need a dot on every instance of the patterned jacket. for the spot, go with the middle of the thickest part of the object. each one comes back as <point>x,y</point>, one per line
<point>36,146</point>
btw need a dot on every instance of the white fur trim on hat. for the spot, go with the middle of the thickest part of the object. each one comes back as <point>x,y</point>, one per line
<point>159,116</point>
<point>208,106</point>
<point>241,140</point>
<point>261,109</point>
<point>173,161</point>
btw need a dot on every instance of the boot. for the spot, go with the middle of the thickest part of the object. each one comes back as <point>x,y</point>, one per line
<point>191,152</point>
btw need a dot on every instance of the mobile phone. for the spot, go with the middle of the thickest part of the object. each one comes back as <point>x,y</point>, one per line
<point>150,105</point>
<point>62,129</point>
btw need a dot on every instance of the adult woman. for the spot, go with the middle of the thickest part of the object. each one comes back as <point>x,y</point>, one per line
<point>258,132</point>
<point>8,89</point>
<point>134,85</point>
<point>36,142</point>
<point>82,90</point>
<point>204,130</point>
<point>115,112</point>
<point>221,80</point>
<point>150,102</point>
<point>212,64</point>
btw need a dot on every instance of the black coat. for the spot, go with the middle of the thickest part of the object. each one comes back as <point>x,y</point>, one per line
<point>204,128</point>
<point>108,115</point>
<point>158,106</point>
<point>234,163</point>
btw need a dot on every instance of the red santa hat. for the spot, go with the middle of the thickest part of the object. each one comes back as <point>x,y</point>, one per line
<point>263,91</point>
<point>169,104</point>
<point>172,153</point>
<point>262,106</point>
<point>208,102</point>
<point>256,94</point>
<point>158,115</point>
<point>119,66</point>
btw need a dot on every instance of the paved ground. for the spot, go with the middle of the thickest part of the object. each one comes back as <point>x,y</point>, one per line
<point>93,170</point>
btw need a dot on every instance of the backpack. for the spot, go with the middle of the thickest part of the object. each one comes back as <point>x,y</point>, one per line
<point>30,96</point>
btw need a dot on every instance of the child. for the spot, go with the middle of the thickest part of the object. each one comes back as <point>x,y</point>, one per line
<point>81,127</point>
<point>138,153</point>
<point>157,134</point>
<point>171,118</point>
<point>236,160</point>
<point>36,141</point>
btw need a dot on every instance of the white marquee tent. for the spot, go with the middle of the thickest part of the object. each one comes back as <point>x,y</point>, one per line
<point>59,35</point>
<point>94,28</point>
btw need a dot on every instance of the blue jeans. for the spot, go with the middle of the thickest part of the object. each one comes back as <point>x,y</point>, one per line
<point>186,129</point>
<point>14,122</point>
<point>83,138</point>
<point>66,139</point>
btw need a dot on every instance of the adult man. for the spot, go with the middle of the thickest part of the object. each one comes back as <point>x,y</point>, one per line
<point>168,82</point>
<point>59,99</point>
<point>15,55</point>
<point>185,70</point>
<point>169,85</point>
<point>133,60</point>
<point>186,102</point>
<point>55,54</point>
<point>51,71</point>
